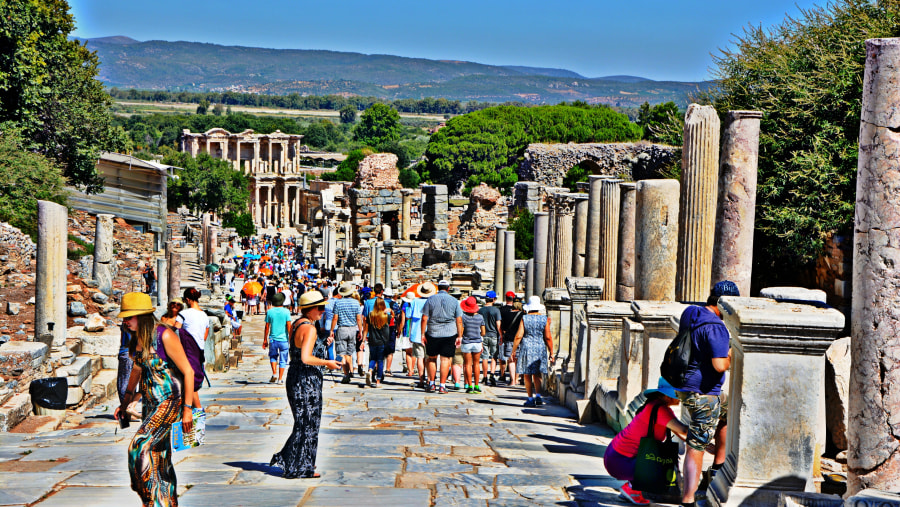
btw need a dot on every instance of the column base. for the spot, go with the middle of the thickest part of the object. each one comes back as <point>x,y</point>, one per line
<point>726,490</point>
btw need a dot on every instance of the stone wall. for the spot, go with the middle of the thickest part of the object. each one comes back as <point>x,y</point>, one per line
<point>378,171</point>
<point>366,207</point>
<point>834,271</point>
<point>548,163</point>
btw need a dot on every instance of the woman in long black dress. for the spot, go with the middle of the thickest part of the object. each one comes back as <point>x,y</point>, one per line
<point>304,389</point>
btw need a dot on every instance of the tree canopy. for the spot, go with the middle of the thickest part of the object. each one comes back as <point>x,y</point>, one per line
<point>207,184</point>
<point>806,76</point>
<point>487,145</point>
<point>378,125</point>
<point>48,90</point>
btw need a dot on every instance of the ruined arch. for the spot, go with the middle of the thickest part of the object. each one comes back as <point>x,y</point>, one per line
<point>548,163</point>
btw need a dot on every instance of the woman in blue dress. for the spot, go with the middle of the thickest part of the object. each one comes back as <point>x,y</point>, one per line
<point>534,346</point>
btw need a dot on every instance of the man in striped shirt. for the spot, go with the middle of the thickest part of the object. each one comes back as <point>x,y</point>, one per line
<point>442,330</point>
<point>345,327</point>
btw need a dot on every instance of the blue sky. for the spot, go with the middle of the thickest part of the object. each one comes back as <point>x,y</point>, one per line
<point>658,39</point>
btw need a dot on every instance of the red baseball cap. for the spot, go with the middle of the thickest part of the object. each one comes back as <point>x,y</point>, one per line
<point>510,294</point>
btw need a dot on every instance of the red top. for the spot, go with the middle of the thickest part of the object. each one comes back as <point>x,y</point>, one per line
<point>628,440</point>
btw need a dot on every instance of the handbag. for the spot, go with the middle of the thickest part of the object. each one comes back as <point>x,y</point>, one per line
<point>655,462</point>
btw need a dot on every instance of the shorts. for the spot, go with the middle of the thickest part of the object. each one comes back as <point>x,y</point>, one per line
<point>278,351</point>
<point>504,351</point>
<point>418,350</point>
<point>704,411</point>
<point>471,348</point>
<point>345,340</point>
<point>444,347</point>
<point>457,357</point>
<point>490,347</point>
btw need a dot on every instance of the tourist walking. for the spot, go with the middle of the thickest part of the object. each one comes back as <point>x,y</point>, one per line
<point>532,348</point>
<point>620,457</point>
<point>511,316</point>
<point>492,323</point>
<point>472,339</point>
<point>167,387</point>
<point>345,327</point>
<point>390,347</point>
<point>441,333</point>
<point>297,459</point>
<point>275,337</point>
<point>196,323</point>
<point>701,395</point>
<point>378,335</point>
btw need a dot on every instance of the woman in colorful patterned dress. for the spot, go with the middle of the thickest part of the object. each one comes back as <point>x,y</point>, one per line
<point>534,344</point>
<point>167,385</point>
<point>297,459</point>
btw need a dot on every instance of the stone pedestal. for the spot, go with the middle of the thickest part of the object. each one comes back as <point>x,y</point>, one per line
<point>697,215</point>
<point>656,239</point>
<point>103,253</point>
<point>625,257</point>
<point>541,233</point>
<point>509,261</point>
<point>581,290</point>
<point>874,448</point>
<point>774,398</point>
<point>592,255</point>
<point>736,213</point>
<point>559,308</point>
<point>174,276</point>
<point>604,358</point>
<point>609,234</point>
<point>580,231</point>
<point>50,279</point>
<point>162,282</point>
<point>656,317</point>
<point>563,214</point>
<point>500,259</point>
<point>631,365</point>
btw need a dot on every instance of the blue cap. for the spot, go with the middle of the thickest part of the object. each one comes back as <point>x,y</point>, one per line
<point>491,295</point>
<point>726,288</point>
<point>662,387</point>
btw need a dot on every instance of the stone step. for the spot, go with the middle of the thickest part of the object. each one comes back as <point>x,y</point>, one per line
<point>104,384</point>
<point>14,411</point>
<point>78,371</point>
<point>18,358</point>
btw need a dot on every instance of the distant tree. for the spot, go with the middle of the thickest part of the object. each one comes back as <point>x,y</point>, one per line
<point>228,111</point>
<point>48,90</point>
<point>348,114</point>
<point>662,123</point>
<point>523,226</point>
<point>241,221</point>
<point>397,149</point>
<point>379,124</point>
<point>203,107</point>
<point>208,184</point>
<point>218,110</point>
<point>346,170</point>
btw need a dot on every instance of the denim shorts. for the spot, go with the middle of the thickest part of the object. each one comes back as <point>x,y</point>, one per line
<point>704,411</point>
<point>490,347</point>
<point>471,348</point>
<point>278,351</point>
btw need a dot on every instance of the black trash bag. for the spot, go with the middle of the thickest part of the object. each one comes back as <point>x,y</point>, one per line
<point>49,393</point>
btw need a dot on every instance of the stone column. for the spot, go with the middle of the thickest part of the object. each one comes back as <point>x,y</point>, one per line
<point>372,262</point>
<point>204,238</point>
<point>874,454</point>
<point>174,275</point>
<point>376,273</point>
<point>388,253</point>
<point>551,243</point>
<point>697,214</point>
<point>285,210</point>
<point>541,233</point>
<point>103,253</point>
<point>257,219</point>
<point>405,220</point>
<point>509,261</point>
<point>564,214</point>
<point>609,235</point>
<point>625,271</point>
<point>529,278</point>
<point>331,256</point>
<point>162,282</point>
<point>735,217</point>
<point>656,239</point>
<point>580,232</point>
<point>774,399</point>
<point>592,254</point>
<point>213,245</point>
<point>499,259</point>
<point>50,281</point>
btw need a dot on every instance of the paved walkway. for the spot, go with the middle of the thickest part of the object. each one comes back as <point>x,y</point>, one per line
<point>387,446</point>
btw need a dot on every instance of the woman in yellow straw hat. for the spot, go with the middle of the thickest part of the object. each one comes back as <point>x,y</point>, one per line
<point>167,385</point>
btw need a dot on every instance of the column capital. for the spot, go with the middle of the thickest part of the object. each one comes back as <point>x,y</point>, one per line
<point>564,203</point>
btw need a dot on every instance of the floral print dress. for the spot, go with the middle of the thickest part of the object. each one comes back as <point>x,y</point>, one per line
<point>532,352</point>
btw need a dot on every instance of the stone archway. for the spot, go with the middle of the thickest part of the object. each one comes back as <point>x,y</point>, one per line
<point>548,163</point>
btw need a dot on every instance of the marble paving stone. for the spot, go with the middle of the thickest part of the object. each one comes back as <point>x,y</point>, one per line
<point>204,495</point>
<point>394,403</point>
<point>436,466</point>
<point>466,479</point>
<point>101,478</point>
<point>531,479</point>
<point>117,496</point>
<point>339,496</point>
<point>447,439</point>
<point>388,451</point>
<point>195,477</point>
<point>28,487</point>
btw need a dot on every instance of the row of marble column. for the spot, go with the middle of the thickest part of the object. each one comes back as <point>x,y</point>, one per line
<point>660,239</point>
<point>505,262</point>
<point>275,212</point>
<point>381,255</point>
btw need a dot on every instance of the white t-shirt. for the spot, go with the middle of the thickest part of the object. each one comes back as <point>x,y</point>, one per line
<point>288,296</point>
<point>196,322</point>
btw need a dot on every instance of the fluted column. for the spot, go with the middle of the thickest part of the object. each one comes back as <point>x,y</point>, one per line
<point>499,260</point>
<point>509,261</point>
<point>564,216</point>
<point>609,235</point>
<point>656,239</point>
<point>580,232</point>
<point>699,191</point>
<point>736,212</point>
<point>541,232</point>
<point>551,244</point>
<point>592,254</point>
<point>625,260</point>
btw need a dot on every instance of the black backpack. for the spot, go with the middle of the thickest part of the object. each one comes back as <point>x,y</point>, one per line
<point>677,358</point>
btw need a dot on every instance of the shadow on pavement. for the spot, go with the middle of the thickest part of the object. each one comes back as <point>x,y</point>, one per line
<point>252,466</point>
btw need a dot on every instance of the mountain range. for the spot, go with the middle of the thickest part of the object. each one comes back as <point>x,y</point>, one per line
<point>194,66</point>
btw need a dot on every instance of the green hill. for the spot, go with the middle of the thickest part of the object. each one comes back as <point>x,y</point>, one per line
<point>193,66</point>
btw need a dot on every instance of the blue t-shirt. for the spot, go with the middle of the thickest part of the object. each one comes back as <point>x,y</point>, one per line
<point>709,339</point>
<point>472,328</point>
<point>414,318</point>
<point>277,319</point>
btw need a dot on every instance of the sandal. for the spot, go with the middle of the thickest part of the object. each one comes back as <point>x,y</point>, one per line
<point>315,475</point>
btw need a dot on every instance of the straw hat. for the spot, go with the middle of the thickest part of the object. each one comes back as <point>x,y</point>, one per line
<point>534,305</point>
<point>346,289</point>
<point>426,289</point>
<point>136,303</point>
<point>312,298</point>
